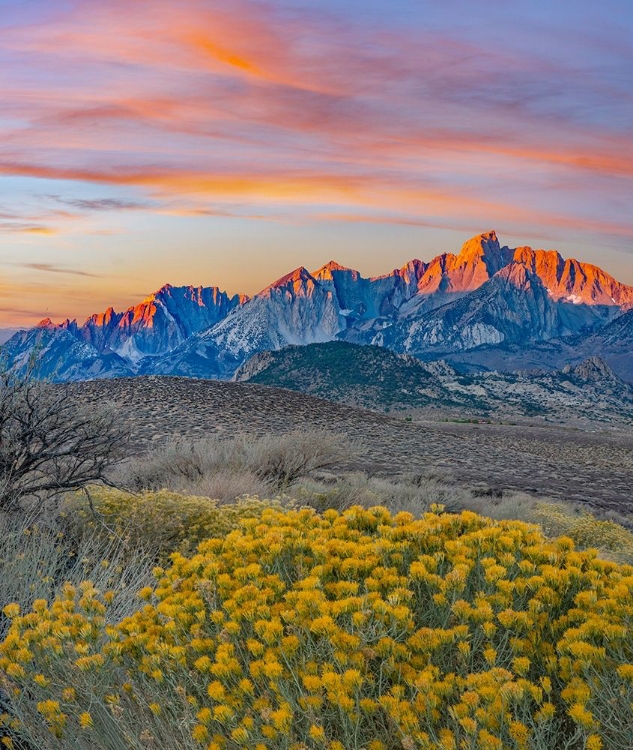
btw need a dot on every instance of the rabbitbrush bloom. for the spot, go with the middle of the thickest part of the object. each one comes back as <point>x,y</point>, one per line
<point>357,629</point>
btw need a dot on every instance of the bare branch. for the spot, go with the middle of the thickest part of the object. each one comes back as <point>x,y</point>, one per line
<point>50,444</point>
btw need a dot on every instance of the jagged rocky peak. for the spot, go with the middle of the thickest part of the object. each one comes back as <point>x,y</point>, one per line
<point>484,249</point>
<point>593,368</point>
<point>164,289</point>
<point>65,325</point>
<point>478,261</point>
<point>411,271</point>
<point>296,280</point>
<point>480,244</point>
<point>517,275</point>
<point>190,292</point>
<point>486,294</point>
<point>104,318</point>
<point>569,280</point>
<point>548,264</point>
<point>326,272</point>
<point>158,324</point>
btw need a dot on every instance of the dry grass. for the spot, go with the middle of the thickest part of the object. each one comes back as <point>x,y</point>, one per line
<point>285,466</point>
<point>412,493</point>
<point>226,468</point>
<point>37,560</point>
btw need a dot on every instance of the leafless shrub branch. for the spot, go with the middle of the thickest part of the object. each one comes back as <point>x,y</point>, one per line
<point>50,444</point>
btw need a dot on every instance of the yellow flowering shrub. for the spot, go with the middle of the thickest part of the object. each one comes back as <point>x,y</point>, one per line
<point>610,538</point>
<point>360,630</point>
<point>162,520</point>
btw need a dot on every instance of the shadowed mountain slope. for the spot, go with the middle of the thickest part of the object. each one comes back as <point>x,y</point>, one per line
<point>487,295</point>
<point>375,378</point>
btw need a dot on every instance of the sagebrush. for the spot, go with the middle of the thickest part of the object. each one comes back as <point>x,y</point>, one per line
<point>159,522</point>
<point>230,466</point>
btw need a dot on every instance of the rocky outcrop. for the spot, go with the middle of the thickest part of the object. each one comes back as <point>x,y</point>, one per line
<point>593,369</point>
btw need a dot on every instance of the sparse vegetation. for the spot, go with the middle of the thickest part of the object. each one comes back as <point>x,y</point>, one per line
<point>369,376</point>
<point>233,466</point>
<point>376,378</point>
<point>413,493</point>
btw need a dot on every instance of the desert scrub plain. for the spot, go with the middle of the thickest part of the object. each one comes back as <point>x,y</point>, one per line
<point>241,591</point>
<point>592,468</point>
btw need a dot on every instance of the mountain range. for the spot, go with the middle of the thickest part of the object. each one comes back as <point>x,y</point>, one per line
<point>376,378</point>
<point>489,306</point>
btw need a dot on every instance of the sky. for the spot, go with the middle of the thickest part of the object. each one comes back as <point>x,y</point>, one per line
<point>226,143</point>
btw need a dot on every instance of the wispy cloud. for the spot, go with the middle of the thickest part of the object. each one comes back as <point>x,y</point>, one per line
<point>208,67</point>
<point>32,313</point>
<point>101,204</point>
<point>54,268</point>
<point>42,221</point>
<point>545,218</point>
<point>16,227</point>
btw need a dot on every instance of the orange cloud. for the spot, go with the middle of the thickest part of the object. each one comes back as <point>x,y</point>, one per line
<point>13,227</point>
<point>242,102</point>
<point>427,205</point>
<point>336,88</point>
<point>44,231</point>
<point>222,55</point>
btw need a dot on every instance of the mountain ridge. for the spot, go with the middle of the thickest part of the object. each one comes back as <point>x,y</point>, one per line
<point>376,378</point>
<point>487,295</point>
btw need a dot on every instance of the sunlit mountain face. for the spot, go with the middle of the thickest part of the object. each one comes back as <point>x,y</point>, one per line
<point>225,143</point>
<point>486,297</point>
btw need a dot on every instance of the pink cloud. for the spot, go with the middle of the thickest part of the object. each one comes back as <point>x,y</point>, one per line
<point>238,101</point>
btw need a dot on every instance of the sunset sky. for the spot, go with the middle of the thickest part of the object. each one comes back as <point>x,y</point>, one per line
<point>226,143</point>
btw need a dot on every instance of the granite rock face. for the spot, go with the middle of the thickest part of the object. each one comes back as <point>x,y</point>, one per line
<point>487,296</point>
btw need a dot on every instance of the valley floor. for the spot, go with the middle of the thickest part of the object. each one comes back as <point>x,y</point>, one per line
<point>554,461</point>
